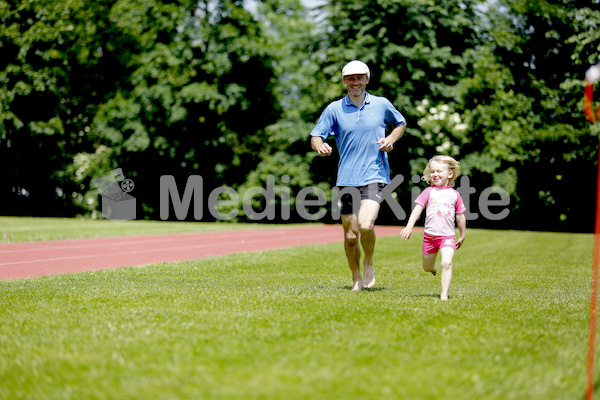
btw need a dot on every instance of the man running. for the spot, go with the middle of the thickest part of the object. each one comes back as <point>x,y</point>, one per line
<point>359,121</point>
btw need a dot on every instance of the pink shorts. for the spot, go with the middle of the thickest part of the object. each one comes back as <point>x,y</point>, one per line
<point>431,244</point>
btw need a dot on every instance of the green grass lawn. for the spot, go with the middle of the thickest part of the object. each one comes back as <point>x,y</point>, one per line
<point>20,229</point>
<point>284,325</point>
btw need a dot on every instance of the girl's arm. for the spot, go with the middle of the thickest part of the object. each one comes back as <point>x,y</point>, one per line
<point>414,216</point>
<point>461,222</point>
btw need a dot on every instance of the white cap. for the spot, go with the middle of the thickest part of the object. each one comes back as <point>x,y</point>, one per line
<point>356,68</point>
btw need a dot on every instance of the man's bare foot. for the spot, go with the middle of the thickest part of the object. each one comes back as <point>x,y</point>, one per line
<point>369,277</point>
<point>358,285</point>
<point>443,297</point>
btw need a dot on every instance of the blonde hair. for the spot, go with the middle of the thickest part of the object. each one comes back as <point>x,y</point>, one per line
<point>452,164</point>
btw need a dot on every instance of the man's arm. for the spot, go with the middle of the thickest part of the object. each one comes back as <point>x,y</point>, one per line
<point>387,143</point>
<point>318,145</point>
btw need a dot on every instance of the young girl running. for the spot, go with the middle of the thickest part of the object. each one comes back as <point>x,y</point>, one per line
<point>444,207</point>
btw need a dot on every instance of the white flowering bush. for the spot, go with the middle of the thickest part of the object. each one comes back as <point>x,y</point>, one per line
<point>440,127</point>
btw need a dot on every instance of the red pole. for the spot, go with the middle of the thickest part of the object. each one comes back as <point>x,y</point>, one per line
<point>594,299</point>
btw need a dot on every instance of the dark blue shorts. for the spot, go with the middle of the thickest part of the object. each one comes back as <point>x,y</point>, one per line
<point>372,191</point>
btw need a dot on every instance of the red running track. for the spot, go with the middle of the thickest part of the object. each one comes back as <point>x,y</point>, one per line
<point>35,259</point>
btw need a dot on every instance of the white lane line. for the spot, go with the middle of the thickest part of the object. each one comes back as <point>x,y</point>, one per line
<point>127,241</point>
<point>162,249</point>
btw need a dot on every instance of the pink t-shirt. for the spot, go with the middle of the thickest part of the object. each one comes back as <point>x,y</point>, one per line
<point>442,204</point>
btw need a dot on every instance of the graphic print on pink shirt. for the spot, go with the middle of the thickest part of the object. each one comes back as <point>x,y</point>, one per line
<point>442,204</point>
<point>443,210</point>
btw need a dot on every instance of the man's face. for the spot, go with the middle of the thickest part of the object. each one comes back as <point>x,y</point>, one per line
<point>356,84</point>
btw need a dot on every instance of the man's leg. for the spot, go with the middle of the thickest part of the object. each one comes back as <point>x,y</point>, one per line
<point>352,248</point>
<point>369,209</point>
<point>447,254</point>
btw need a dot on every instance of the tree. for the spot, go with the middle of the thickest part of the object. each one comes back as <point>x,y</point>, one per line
<point>207,88</point>
<point>50,63</point>
<point>524,104</point>
<point>417,53</point>
<point>295,45</point>
<point>151,87</point>
<point>197,100</point>
<point>491,83</point>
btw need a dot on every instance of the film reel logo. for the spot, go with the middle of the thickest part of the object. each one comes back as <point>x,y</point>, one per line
<point>127,185</point>
<point>117,203</point>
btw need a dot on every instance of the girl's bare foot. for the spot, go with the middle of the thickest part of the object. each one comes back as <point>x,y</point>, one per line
<point>432,271</point>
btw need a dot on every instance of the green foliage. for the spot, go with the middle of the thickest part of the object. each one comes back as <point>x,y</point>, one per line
<point>491,83</point>
<point>209,88</point>
<point>162,86</point>
<point>524,105</point>
<point>49,72</point>
<point>84,165</point>
<point>194,92</point>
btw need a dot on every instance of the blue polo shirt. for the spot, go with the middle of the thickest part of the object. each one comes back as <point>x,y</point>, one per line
<point>356,132</point>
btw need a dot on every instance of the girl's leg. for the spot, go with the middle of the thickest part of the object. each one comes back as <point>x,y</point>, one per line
<point>447,254</point>
<point>429,263</point>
